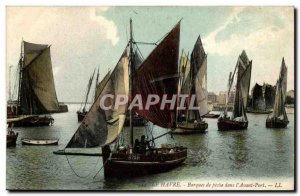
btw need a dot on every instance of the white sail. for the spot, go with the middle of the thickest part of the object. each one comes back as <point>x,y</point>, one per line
<point>201,88</point>
<point>101,127</point>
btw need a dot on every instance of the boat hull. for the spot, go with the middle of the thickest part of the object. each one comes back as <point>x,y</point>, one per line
<point>276,123</point>
<point>259,111</point>
<point>211,116</point>
<point>228,125</point>
<point>131,165</point>
<point>191,128</point>
<point>80,116</point>
<point>39,142</point>
<point>11,140</point>
<point>31,121</point>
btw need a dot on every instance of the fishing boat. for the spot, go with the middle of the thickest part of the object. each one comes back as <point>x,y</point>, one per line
<point>11,136</point>
<point>36,92</point>
<point>262,99</point>
<point>82,111</point>
<point>193,81</point>
<point>238,120</point>
<point>211,115</point>
<point>105,127</point>
<point>43,142</point>
<point>278,118</point>
<point>98,89</point>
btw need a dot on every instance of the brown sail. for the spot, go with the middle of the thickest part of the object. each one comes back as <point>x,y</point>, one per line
<point>37,91</point>
<point>148,80</point>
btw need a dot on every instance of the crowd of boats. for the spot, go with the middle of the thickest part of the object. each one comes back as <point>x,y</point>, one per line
<point>161,73</point>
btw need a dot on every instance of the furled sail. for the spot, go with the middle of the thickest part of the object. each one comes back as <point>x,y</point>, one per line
<point>37,93</point>
<point>242,86</point>
<point>148,80</point>
<point>199,62</point>
<point>279,106</point>
<point>102,126</point>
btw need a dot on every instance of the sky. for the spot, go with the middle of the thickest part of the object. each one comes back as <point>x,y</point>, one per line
<point>85,38</point>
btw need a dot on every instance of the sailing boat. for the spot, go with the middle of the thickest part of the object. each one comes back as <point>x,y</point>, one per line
<point>36,94</point>
<point>194,83</point>
<point>82,111</point>
<point>11,136</point>
<point>278,118</point>
<point>238,119</point>
<point>104,127</point>
<point>262,97</point>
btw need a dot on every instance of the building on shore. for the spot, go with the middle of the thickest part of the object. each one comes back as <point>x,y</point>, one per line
<point>211,98</point>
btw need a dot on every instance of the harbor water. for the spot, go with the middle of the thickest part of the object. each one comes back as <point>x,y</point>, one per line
<point>254,153</point>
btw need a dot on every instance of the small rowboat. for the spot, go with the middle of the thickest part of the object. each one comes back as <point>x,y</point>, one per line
<point>39,142</point>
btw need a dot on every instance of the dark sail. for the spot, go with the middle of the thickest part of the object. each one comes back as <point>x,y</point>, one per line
<point>279,106</point>
<point>37,92</point>
<point>244,67</point>
<point>195,81</point>
<point>263,96</point>
<point>199,64</point>
<point>148,80</point>
<point>258,99</point>
<point>101,127</point>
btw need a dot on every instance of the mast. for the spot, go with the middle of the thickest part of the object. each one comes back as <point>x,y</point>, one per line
<point>131,81</point>
<point>96,85</point>
<point>230,85</point>
<point>88,90</point>
<point>9,84</point>
<point>21,62</point>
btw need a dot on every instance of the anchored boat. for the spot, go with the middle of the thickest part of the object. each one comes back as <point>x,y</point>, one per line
<point>278,118</point>
<point>26,141</point>
<point>262,99</point>
<point>11,136</point>
<point>36,93</point>
<point>82,111</point>
<point>238,120</point>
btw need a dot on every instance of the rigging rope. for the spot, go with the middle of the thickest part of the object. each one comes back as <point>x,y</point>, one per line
<point>76,172</point>
<point>102,166</point>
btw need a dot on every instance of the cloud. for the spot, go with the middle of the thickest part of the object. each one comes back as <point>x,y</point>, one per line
<point>111,29</point>
<point>58,25</point>
<point>267,35</point>
<point>79,40</point>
